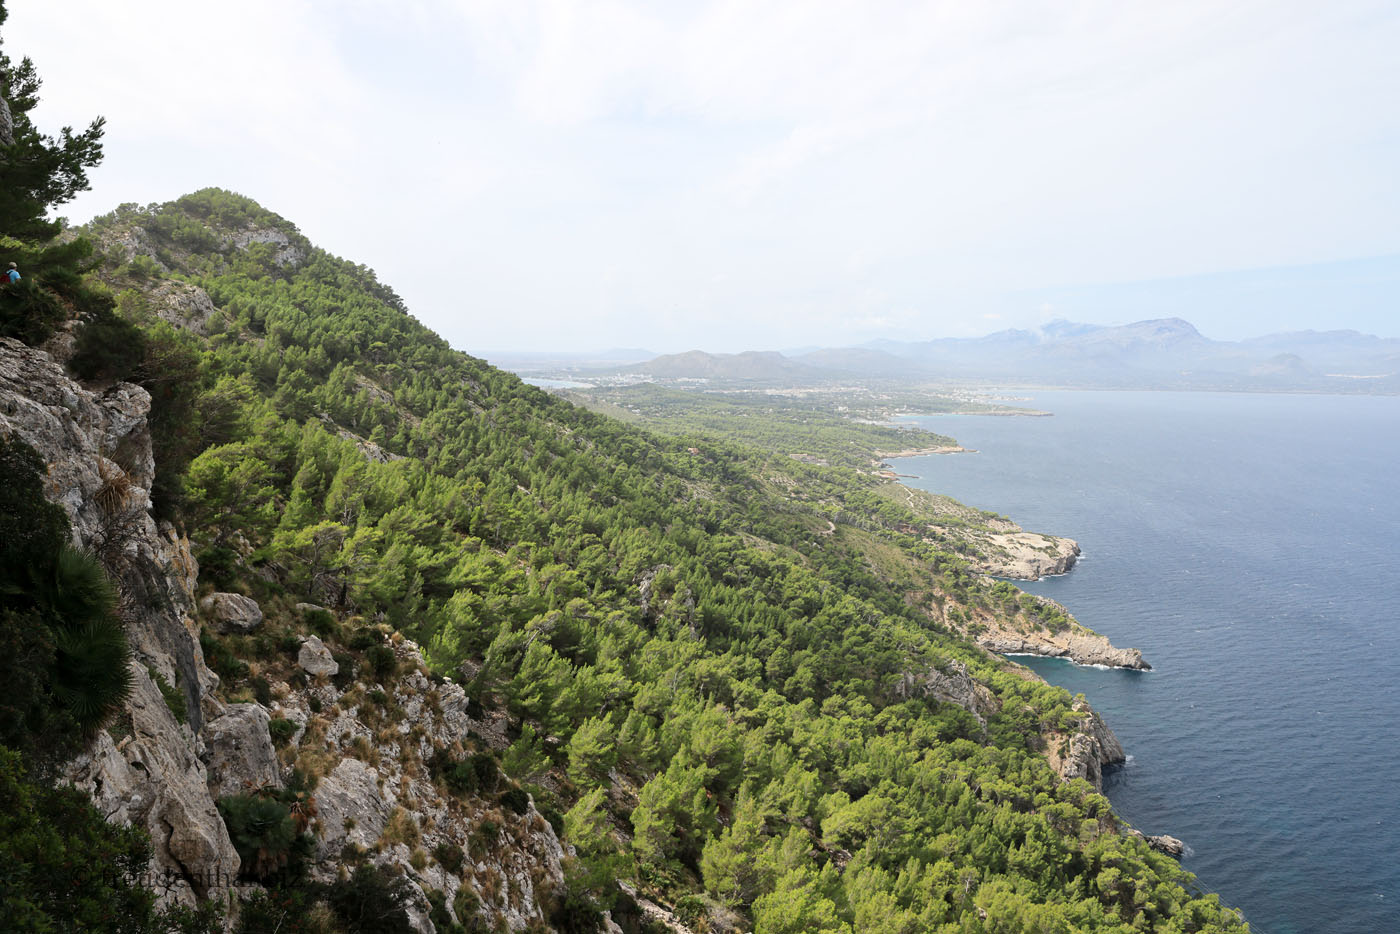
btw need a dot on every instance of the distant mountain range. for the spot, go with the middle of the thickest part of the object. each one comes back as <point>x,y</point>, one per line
<point>1165,353</point>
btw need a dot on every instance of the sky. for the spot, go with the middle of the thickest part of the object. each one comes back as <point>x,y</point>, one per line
<point>554,175</point>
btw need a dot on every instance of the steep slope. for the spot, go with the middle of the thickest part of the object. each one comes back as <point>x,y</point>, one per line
<point>728,682</point>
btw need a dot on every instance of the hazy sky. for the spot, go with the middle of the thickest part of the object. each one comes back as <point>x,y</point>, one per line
<point>545,174</point>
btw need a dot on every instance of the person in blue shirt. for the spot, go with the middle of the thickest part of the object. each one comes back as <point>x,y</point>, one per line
<point>12,274</point>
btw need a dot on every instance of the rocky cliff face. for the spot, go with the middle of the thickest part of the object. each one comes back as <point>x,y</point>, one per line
<point>146,768</point>
<point>951,685</point>
<point>375,796</point>
<point>1022,555</point>
<point>1084,752</point>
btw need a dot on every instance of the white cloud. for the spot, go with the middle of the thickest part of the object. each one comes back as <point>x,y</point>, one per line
<point>598,171</point>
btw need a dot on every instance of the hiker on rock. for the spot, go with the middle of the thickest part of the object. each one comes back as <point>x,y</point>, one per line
<point>12,274</point>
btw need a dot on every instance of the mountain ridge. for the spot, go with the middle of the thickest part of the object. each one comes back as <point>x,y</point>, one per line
<point>1159,353</point>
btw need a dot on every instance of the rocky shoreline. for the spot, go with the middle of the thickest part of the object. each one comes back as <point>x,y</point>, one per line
<point>1082,646</point>
<point>882,456</point>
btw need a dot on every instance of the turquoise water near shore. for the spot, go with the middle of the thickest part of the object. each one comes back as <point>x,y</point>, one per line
<point>1248,544</point>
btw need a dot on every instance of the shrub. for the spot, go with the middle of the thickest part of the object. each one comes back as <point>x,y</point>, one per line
<point>108,347</point>
<point>281,730</point>
<point>29,312</point>
<point>574,911</point>
<point>91,672</point>
<point>364,638</point>
<point>32,529</point>
<point>371,901</point>
<point>382,661</point>
<point>321,622</point>
<point>439,915</point>
<point>477,772</point>
<point>283,911</point>
<point>690,910</point>
<point>516,800</point>
<point>218,566</point>
<point>448,856</point>
<point>345,676</point>
<point>220,657</point>
<point>64,659</point>
<point>466,905</point>
<point>174,697</point>
<point>263,833</point>
<point>67,869</point>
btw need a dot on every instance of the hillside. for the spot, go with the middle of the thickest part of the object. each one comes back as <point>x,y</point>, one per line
<point>423,636</point>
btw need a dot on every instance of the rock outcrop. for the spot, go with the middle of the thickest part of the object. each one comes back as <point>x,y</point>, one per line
<point>146,769</point>
<point>316,660</point>
<point>232,612</point>
<point>951,685</point>
<point>239,752</point>
<point>1024,555</point>
<point>289,253</point>
<point>992,544</point>
<point>152,778</point>
<point>183,305</point>
<point>1162,843</point>
<point>1079,645</point>
<point>1084,752</point>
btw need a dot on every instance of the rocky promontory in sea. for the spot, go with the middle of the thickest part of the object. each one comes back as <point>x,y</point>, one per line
<point>1079,645</point>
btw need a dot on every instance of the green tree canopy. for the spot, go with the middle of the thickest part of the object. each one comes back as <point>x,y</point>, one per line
<point>37,171</point>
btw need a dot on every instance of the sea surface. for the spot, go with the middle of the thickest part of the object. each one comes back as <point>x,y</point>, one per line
<point>1249,544</point>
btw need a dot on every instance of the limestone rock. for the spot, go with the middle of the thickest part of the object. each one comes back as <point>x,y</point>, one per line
<point>240,753</point>
<point>1167,844</point>
<point>288,253</point>
<point>1081,646</point>
<point>232,612</point>
<point>183,304</point>
<point>1084,753</point>
<point>352,808</point>
<point>1162,843</point>
<point>1025,555</point>
<point>315,659</point>
<point>97,445</point>
<point>153,779</point>
<point>952,686</point>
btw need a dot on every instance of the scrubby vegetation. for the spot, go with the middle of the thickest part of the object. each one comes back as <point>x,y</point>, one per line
<point>679,619</point>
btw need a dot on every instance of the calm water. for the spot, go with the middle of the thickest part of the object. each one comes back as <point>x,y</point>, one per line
<point>1248,545</point>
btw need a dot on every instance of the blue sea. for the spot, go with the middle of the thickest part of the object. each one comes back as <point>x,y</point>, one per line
<point>1249,544</point>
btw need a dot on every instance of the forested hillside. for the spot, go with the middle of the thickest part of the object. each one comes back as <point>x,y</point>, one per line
<point>725,676</point>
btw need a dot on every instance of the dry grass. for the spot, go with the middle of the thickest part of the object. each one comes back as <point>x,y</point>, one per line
<point>400,828</point>
<point>362,749</point>
<point>314,756</point>
<point>114,495</point>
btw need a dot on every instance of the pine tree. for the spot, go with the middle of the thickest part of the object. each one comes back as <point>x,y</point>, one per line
<point>37,171</point>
